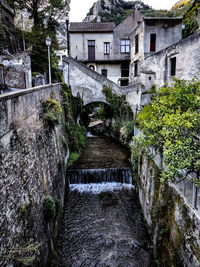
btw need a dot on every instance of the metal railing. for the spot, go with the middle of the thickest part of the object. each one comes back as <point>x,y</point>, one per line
<point>189,190</point>
<point>185,186</point>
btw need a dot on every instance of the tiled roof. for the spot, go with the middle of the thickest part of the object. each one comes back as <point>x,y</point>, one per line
<point>91,27</point>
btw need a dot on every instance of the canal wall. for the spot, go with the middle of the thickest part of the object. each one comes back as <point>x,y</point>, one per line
<point>32,166</point>
<point>173,222</point>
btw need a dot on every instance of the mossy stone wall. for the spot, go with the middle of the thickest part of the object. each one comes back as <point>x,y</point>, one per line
<point>173,223</point>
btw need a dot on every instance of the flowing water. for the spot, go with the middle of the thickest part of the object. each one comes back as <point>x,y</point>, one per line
<point>102,223</point>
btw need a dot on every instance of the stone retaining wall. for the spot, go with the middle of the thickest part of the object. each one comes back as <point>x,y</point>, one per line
<point>174,224</point>
<point>32,166</point>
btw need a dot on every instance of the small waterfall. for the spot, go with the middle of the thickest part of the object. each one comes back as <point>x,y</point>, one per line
<point>87,176</point>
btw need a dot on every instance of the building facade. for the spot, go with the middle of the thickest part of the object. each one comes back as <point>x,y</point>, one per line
<point>104,47</point>
<point>149,37</point>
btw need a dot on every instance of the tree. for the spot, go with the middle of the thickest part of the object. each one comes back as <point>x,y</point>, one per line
<point>44,14</point>
<point>44,11</point>
<point>171,124</point>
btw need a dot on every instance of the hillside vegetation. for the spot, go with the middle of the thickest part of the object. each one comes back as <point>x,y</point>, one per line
<point>117,10</point>
<point>190,11</point>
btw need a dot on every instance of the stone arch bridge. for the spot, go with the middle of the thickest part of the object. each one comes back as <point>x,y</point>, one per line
<point>87,82</point>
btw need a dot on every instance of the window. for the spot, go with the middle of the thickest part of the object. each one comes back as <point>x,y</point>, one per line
<point>91,43</point>
<point>104,72</point>
<point>136,44</point>
<point>152,42</point>
<point>125,46</point>
<point>106,48</point>
<point>124,70</point>
<point>92,67</point>
<point>136,69</point>
<point>173,66</point>
<point>91,50</point>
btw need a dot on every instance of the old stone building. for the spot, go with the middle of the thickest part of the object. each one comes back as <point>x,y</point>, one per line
<point>104,47</point>
<point>149,37</point>
<point>158,55</point>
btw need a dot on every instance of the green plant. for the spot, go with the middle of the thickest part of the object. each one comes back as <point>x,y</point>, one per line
<point>76,134</point>
<point>51,111</point>
<point>191,18</point>
<point>171,124</point>
<point>74,156</point>
<point>49,208</point>
<point>152,90</point>
<point>123,127</point>
<point>129,130</point>
<point>23,254</point>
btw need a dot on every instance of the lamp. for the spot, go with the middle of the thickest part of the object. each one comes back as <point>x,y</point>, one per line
<point>48,43</point>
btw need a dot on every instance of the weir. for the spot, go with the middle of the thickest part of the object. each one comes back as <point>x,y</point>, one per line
<point>86,176</point>
<point>102,223</point>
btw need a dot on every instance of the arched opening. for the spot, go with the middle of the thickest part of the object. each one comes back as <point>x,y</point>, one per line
<point>97,117</point>
<point>92,66</point>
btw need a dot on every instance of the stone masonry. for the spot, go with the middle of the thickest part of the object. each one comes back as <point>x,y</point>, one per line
<point>32,166</point>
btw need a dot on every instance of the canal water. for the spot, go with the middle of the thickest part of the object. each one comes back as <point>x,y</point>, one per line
<point>102,223</point>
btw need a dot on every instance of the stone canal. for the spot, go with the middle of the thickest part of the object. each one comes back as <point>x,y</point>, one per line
<point>102,223</point>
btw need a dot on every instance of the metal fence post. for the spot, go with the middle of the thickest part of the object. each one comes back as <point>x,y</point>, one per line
<point>194,196</point>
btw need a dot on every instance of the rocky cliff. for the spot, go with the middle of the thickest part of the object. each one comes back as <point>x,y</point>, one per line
<point>117,10</point>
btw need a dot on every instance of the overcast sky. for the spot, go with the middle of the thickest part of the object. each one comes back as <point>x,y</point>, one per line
<point>79,8</point>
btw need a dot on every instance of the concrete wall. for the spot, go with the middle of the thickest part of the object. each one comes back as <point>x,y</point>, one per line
<point>139,56</point>
<point>32,165</point>
<point>174,224</point>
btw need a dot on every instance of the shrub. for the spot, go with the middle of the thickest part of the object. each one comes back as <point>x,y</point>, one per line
<point>49,208</point>
<point>118,104</point>
<point>124,125</point>
<point>72,158</point>
<point>51,112</point>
